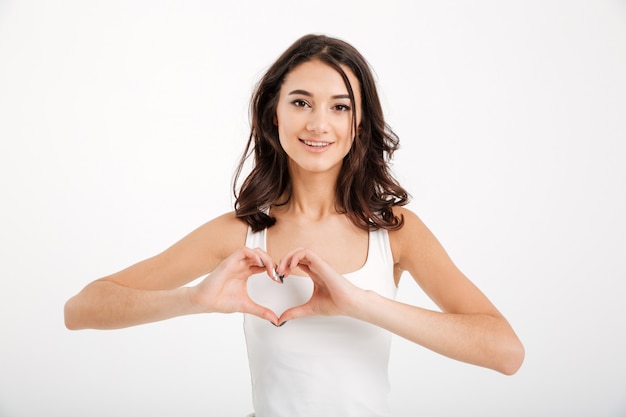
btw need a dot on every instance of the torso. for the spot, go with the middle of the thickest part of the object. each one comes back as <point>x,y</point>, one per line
<point>320,365</point>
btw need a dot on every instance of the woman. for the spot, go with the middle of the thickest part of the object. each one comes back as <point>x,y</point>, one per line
<point>318,241</point>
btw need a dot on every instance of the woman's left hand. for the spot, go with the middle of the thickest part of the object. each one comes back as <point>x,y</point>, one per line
<point>332,293</point>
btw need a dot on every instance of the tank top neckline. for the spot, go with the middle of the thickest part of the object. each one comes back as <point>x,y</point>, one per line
<point>359,270</point>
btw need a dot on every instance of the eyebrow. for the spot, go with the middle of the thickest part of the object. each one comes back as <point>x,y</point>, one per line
<point>306,93</point>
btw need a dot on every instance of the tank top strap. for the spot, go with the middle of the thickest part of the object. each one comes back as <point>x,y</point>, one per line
<point>255,239</point>
<point>380,248</point>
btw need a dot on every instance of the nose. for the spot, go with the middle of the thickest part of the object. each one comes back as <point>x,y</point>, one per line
<point>318,121</point>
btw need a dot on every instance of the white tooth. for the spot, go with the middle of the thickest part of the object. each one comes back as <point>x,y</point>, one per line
<point>315,144</point>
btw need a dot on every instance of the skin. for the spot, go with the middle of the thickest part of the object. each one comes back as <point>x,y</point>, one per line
<point>309,238</point>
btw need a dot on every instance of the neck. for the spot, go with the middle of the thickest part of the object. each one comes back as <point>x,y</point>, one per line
<point>313,194</point>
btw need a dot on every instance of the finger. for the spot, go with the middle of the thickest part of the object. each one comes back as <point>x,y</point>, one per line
<point>291,261</point>
<point>261,312</point>
<point>256,257</point>
<point>261,259</point>
<point>300,311</point>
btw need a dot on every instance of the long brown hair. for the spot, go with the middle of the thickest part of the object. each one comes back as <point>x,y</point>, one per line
<point>366,190</point>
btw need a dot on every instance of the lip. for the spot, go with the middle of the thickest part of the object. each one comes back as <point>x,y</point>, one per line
<point>318,148</point>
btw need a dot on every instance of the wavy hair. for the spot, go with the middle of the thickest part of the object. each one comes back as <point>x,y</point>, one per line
<point>366,190</point>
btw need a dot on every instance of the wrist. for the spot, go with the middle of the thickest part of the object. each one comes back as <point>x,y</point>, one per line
<point>192,297</point>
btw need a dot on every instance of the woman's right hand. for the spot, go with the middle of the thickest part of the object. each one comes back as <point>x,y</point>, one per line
<point>225,289</point>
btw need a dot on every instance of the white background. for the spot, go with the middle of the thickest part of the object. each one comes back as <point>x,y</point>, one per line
<point>121,123</point>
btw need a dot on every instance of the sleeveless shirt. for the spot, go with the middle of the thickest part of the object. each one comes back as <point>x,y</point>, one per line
<point>319,366</point>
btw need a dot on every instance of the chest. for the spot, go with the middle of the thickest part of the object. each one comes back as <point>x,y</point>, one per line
<point>343,247</point>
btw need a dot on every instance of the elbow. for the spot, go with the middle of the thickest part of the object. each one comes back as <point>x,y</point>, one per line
<point>70,316</point>
<point>512,360</point>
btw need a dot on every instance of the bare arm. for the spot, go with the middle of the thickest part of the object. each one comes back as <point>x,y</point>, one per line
<point>104,304</point>
<point>468,327</point>
<point>154,290</point>
<point>478,338</point>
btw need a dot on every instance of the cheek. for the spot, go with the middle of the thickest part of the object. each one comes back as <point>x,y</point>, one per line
<point>284,133</point>
<point>289,126</point>
<point>282,120</point>
<point>346,130</point>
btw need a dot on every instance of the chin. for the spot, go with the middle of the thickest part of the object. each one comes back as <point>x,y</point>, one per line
<point>317,168</point>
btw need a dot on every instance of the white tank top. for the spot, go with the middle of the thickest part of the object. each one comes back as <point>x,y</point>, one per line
<point>319,366</point>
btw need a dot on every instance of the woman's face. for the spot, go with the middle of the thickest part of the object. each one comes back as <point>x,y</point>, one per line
<point>314,116</point>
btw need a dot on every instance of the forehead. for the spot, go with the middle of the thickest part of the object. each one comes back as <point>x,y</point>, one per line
<point>318,76</point>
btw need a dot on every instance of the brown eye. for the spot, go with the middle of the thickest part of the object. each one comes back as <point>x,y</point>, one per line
<point>300,103</point>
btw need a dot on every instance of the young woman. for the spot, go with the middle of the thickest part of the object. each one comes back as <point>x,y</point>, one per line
<point>313,253</point>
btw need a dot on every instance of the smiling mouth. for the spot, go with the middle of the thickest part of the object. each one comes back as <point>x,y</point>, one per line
<point>315,144</point>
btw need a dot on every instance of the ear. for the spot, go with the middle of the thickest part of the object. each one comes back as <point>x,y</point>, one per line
<point>275,120</point>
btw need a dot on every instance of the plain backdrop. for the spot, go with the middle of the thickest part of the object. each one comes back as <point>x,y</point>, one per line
<point>121,123</point>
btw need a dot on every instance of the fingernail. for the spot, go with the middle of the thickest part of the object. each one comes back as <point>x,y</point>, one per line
<point>278,276</point>
<point>282,324</point>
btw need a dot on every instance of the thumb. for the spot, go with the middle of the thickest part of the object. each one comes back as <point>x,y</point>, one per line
<point>262,312</point>
<point>300,311</point>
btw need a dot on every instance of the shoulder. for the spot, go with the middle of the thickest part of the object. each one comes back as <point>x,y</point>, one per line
<point>223,234</point>
<point>411,227</point>
<point>413,242</point>
<point>211,242</point>
<point>228,221</point>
